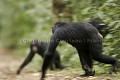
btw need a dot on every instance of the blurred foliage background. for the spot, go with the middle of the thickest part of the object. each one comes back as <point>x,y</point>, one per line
<point>22,21</point>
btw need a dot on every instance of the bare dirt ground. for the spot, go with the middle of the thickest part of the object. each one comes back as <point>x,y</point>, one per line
<point>9,65</point>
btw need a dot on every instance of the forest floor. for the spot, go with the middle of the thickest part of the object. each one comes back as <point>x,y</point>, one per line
<point>9,64</point>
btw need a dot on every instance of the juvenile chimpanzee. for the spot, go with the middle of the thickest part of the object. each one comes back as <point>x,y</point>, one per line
<point>40,47</point>
<point>87,41</point>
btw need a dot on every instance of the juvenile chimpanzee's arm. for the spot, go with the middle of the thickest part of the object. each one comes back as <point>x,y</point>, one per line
<point>49,54</point>
<point>26,61</point>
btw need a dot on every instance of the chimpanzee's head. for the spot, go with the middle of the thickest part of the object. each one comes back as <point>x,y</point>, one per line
<point>101,26</point>
<point>34,46</point>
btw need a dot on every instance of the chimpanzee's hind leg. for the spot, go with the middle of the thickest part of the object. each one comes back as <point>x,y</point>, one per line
<point>96,53</point>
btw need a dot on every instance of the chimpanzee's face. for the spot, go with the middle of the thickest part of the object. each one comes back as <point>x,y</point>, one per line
<point>34,47</point>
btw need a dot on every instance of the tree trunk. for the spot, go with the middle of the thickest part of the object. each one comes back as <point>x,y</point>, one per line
<point>62,10</point>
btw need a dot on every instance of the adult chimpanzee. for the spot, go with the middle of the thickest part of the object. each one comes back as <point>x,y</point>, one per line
<point>87,41</point>
<point>40,47</point>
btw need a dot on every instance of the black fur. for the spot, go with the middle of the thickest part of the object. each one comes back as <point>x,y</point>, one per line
<point>101,26</point>
<point>87,41</point>
<point>39,48</point>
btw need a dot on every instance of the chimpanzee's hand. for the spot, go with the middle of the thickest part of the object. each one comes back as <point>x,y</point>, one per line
<point>42,77</point>
<point>18,72</point>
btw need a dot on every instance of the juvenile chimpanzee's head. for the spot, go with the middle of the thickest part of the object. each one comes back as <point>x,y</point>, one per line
<point>38,46</point>
<point>101,26</point>
<point>34,46</point>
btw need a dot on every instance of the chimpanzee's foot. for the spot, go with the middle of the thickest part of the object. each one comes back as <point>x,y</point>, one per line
<point>115,67</point>
<point>42,79</point>
<point>92,73</point>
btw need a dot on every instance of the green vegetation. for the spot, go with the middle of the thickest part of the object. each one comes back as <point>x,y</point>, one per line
<point>32,19</point>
